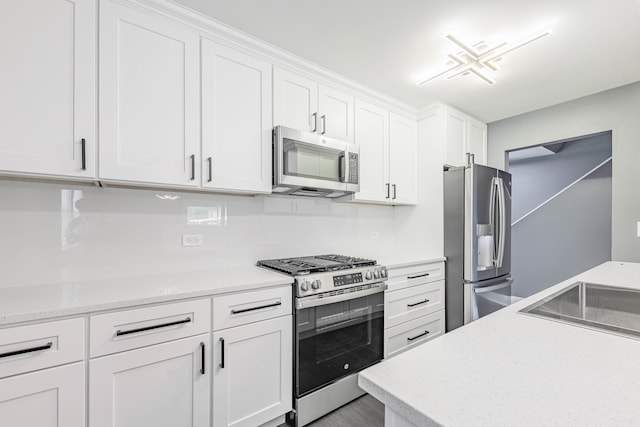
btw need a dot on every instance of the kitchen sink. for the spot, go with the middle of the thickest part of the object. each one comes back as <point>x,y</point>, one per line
<point>605,308</point>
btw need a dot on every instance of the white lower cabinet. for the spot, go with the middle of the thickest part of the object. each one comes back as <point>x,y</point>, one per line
<point>164,385</point>
<point>252,373</point>
<point>414,306</point>
<point>402,337</point>
<point>47,398</point>
<point>252,362</point>
<point>34,389</point>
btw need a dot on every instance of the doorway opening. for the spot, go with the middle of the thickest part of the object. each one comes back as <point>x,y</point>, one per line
<point>561,210</point>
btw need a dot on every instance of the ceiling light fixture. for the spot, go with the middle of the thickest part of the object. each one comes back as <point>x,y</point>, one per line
<point>479,58</point>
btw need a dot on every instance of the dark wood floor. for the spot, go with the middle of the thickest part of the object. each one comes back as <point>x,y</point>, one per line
<point>365,411</point>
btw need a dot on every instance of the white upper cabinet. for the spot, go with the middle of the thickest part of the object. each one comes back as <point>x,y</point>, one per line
<point>372,137</point>
<point>295,101</point>
<point>455,136</point>
<point>403,164</point>
<point>388,156</point>
<point>149,98</point>
<point>47,82</point>
<point>476,142</point>
<point>236,120</point>
<point>461,134</point>
<point>301,103</point>
<point>335,114</point>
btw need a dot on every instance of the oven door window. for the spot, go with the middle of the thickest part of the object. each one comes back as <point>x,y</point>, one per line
<point>338,339</point>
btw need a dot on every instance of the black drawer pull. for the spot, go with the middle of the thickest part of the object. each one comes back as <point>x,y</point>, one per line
<point>202,355</point>
<point>419,275</point>
<point>221,353</point>
<point>149,328</point>
<point>244,310</point>
<point>418,303</point>
<point>417,336</point>
<point>47,346</point>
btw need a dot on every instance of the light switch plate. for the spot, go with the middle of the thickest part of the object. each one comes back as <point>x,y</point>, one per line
<point>638,230</point>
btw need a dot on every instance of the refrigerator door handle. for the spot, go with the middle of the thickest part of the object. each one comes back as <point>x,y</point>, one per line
<point>502,218</point>
<point>484,289</point>
<point>492,217</point>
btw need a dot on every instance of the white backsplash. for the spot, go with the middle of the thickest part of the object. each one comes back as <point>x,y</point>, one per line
<point>58,232</point>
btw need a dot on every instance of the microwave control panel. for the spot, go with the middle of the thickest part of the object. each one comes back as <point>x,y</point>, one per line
<point>353,168</point>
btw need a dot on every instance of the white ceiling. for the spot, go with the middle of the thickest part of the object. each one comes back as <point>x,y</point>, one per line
<point>391,44</point>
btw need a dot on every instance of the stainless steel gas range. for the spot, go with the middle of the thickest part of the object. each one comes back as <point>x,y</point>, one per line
<point>338,328</point>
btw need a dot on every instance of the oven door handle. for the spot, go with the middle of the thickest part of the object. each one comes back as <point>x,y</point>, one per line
<point>314,301</point>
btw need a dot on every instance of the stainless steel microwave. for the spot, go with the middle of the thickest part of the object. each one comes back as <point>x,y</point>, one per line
<point>307,164</point>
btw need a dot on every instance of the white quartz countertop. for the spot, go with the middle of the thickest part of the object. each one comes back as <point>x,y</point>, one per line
<point>29,303</point>
<point>513,369</point>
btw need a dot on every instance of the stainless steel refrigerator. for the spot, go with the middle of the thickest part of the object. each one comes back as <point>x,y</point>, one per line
<point>477,242</point>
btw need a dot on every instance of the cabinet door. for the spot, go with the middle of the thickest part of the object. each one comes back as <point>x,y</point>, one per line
<point>252,373</point>
<point>372,136</point>
<point>335,110</point>
<point>477,140</point>
<point>48,398</point>
<point>161,385</point>
<point>149,98</point>
<point>403,153</point>
<point>455,137</point>
<point>295,101</point>
<point>236,120</point>
<point>47,82</point>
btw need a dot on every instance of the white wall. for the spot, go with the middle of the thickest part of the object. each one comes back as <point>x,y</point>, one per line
<point>615,110</point>
<point>54,232</point>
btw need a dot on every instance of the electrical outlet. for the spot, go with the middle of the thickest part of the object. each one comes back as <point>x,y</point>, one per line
<point>192,240</point>
<point>374,234</point>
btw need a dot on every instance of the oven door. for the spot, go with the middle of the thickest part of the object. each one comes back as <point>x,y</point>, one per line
<point>336,339</point>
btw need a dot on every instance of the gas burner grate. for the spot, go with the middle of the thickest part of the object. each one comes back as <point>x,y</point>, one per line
<point>313,264</point>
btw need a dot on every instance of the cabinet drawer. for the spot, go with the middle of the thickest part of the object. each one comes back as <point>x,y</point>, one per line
<point>410,303</point>
<point>415,275</point>
<point>410,334</point>
<point>27,348</point>
<point>126,330</point>
<point>239,309</point>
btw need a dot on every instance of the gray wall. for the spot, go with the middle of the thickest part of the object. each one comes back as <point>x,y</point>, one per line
<point>617,110</point>
<point>570,234</point>
<point>537,179</point>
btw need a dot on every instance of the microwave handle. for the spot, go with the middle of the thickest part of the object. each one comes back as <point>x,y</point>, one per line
<point>342,164</point>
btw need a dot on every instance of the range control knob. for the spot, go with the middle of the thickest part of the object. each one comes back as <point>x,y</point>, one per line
<point>368,275</point>
<point>383,273</point>
<point>376,274</point>
<point>304,285</point>
<point>316,284</point>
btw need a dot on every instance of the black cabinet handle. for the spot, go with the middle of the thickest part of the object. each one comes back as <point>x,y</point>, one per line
<point>388,193</point>
<point>419,275</point>
<point>417,336</point>
<point>221,353</point>
<point>324,124</point>
<point>120,333</point>
<point>193,167</point>
<point>83,146</point>
<point>202,356</point>
<point>210,161</point>
<point>418,303</point>
<point>244,310</point>
<point>394,191</point>
<point>47,346</point>
<point>315,122</point>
